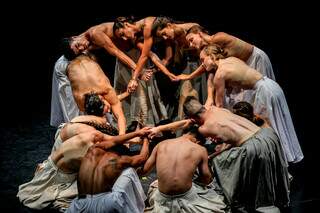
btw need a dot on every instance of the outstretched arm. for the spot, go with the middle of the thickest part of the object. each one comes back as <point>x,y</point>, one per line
<point>194,74</point>
<point>147,44</point>
<point>99,38</point>
<point>110,141</point>
<point>170,127</point>
<point>156,60</point>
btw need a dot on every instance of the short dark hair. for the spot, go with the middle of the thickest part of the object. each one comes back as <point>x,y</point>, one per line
<point>93,105</point>
<point>160,23</point>
<point>194,130</point>
<point>245,109</point>
<point>119,22</point>
<point>66,49</point>
<point>187,107</point>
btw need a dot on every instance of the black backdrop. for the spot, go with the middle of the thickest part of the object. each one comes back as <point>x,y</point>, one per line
<point>31,33</point>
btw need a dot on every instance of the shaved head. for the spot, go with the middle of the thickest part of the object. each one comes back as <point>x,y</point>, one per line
<point>192,107</point>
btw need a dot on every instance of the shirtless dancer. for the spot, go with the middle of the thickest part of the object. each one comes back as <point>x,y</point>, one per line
<point>233,46</point>
<point>92,90</point>
<point>255,166</point>
<point>174,33</point>
<point>98,174</point>
<point>63,107</point>
<point>176,162</point>
<point>54,182</point>
<point>267,97</point>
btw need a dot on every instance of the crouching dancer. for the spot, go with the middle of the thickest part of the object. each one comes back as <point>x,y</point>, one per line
<point>176,162</point>
<point>54,182</point>
<point>105,182</point>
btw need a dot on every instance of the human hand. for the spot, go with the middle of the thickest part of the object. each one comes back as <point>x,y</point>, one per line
<point>173,78</point>
<point>146,76</point>
<point>183,77</point>
<point>132,86</point>
<point>144,131</point>
<point>208,104</point>
<point>79,44</point>
<point>154,132</point>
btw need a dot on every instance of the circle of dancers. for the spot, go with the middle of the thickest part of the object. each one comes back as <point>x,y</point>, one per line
<point>201,110</point>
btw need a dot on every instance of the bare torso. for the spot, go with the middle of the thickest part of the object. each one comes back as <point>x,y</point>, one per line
<point>86,76</point>
<point>107,28</point>
<point>98,172</point>
<point>177,159</point>
<point>75,127</point>
<point>68,156</point>
<point>223,125</point>
<point>236,74</point>
<point>232,45</point>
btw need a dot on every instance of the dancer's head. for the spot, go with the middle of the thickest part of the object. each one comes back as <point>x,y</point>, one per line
<point>194,109</point>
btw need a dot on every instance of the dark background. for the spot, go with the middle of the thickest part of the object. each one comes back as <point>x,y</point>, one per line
<point>31,33</point>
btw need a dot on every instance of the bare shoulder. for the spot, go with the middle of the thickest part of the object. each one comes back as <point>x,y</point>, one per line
<point>166,142</point>
<point>149,19</point>
<point>71,130</point>
<point>220,73</point>
<point>72,64</point>
<point>148,23</point>
<point>88,118</point>
<point>221,37</point>
<point>88,135</point>
<point>233,59</point>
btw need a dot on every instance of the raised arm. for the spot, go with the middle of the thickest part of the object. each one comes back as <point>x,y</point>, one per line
<point>137,160</point>
<point>205,176</point>
<point>151,162</point>
<point>219,85</point>
<point>99,38</point>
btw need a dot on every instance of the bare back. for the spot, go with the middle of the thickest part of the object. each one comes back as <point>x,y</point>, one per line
<point>86,76</point>
<point>233,45</point>
<point>68,156</point>
<point>99,170</point>
<point>222,124</point>
<point>176,161</point>
<point>75,127</point>
<point>107,28</point>
<point>235,73</point>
